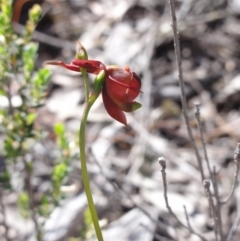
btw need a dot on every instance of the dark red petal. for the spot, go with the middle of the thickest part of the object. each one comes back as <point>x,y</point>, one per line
<point>67,66</point>
<point>122,87</point>
<point>92,66</point>
<point>124,77</point>
<point>134,77</point>
<point>121,91</point>
<point>137,81</point>
<point>112,109</point>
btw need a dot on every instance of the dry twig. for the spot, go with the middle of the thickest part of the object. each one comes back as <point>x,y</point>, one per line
<point>162,163</point>
<point>216,208</point>
<point>181,83</point>
<point>206,185</point>
<point>213,177</point>
<point>218,216</point>
<point>236,161</point>
<point>237,220</point>
<point>200,128</point>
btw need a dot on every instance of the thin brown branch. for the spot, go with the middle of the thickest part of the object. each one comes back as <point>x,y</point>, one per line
<point>237,220</point>
<point>213,175</point>
<point>234,227</point>
<point>235,223</point>
<point>200,128</point>
<point>181,83</point>
<point>218,204</point>
<point>162,163</point>
<point>206,185</point>
<point>234,185</point>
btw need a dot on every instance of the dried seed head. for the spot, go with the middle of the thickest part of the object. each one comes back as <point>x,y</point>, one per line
<point>162,162</point>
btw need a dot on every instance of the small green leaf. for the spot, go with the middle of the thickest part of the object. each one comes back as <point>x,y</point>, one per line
<point>31,118</point>
<point>136,105</point>
<point>59,129</point>
<point>59,172</point>
<point>23,203</point>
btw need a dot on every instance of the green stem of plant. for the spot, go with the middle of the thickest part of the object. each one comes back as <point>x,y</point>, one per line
<point>89,102</point>
<point>86,86</point>
<point>83,161</point>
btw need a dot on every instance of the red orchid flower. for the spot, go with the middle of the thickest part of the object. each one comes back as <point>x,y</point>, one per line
<point>119,90</point>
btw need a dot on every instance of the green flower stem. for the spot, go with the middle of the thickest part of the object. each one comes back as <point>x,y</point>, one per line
<point>83,161</point>
<point>86,86</point>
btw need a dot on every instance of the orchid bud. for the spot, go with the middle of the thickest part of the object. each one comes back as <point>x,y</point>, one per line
<point>81,52</point>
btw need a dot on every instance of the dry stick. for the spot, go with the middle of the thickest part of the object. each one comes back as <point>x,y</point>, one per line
<point>181,83</point>
<point>162,162</point>
<point>234,226</point>
<point>198,117</point>
<point>213,174</point>
<point>218,204</point>
<point>186,117</point>
<point>236,161</point>
<point>206,185</point>
<point>237,220</point>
